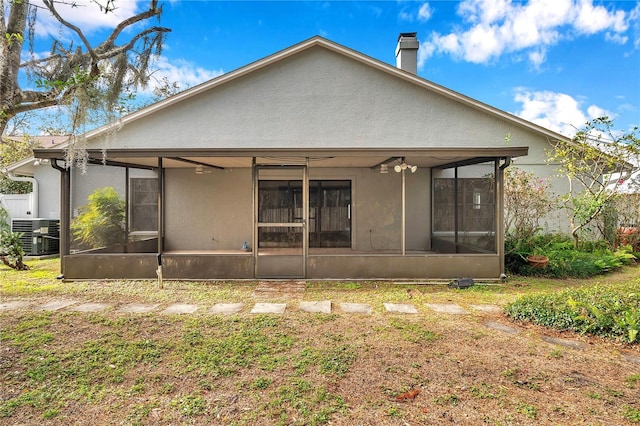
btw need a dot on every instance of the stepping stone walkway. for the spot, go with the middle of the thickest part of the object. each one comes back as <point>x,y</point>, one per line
<point>90,307</point>
<point>573,344</point>
<point>10,306</point>
<point>268,308</point>
<point>180,309</point>
<point>138,308</point>
<point>56,305</point>
<point>321,307</point>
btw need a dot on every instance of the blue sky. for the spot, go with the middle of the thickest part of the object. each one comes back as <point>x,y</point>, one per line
<point>557,63</point>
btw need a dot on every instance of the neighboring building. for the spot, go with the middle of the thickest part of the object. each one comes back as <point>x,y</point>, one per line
<point>286,168</point>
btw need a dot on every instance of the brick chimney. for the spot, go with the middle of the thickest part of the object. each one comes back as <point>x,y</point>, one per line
<point>407,52</point>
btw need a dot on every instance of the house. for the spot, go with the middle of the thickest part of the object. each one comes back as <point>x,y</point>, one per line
<point>317,162</point>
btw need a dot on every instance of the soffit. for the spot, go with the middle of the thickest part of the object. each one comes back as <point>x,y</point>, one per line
<point>318,158</point>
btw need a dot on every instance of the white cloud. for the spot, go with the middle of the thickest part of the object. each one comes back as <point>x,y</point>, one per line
<point>425,12</point>
<point>85,14</point>
<point>493,28</point>
<point>183,72</point>
<point>537,57</point>
<point>616,38</point>
<point>556,111</point>
<point>422,14</point>
<point>591,20</point>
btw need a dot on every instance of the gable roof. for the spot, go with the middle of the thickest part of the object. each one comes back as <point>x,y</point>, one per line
<point>318,41</point>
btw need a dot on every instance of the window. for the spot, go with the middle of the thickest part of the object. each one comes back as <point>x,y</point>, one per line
<point>144,205</point>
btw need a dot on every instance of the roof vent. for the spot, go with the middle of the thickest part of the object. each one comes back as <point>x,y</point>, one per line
<point>407,52</point>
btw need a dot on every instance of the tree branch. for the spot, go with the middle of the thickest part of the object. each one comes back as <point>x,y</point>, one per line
<point>125,48</point>
<point>149,13</point>
<point>69,25</point>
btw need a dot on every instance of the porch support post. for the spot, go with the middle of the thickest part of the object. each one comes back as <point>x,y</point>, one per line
<point>254,206</point>
<point>456,213</point>
<point>499,188</point>
<point>404,219</point>
<point>127,225</point>
<point>160,206</point>
<point>305,217</point>
<point>65,216</point>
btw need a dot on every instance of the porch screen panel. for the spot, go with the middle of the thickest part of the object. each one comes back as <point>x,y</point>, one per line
<point>330,221</point>
<point>279,201</point>
<point>98,209</point>
<point>144,205</point>
<point>464,209</point>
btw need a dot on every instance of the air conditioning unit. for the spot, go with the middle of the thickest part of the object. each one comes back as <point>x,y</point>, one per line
<point>39,236</point>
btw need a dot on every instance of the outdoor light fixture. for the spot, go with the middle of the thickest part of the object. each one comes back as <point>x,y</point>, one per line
<point>199,170</point>
<point>384,169</point>
<point>404,166</point>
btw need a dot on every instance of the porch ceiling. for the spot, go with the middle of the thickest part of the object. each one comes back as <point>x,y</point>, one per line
<point>330,158</point>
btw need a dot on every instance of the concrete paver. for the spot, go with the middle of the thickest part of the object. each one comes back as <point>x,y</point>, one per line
<point>400,308</point>
<point>139,308</point>
<point>226,308</point>
<point>179,308</point>
<point>90,307</point>
<point>56,305</point>
<point>447,308</point>
<point>356,308</point>
<point>269,308</point>
<point>321,307</point>
<point>16,304</point>
<point>573,344</point>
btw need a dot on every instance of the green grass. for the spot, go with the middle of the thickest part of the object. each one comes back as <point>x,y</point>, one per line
<point>289,369</point>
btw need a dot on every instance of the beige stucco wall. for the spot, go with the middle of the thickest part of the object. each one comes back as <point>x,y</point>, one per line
<point>318,98</point>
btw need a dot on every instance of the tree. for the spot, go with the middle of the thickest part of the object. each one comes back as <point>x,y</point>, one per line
<point>101,222</point>
<point>597,161</point>
<point>75,73</point>
<point>12,150</point>
<point>527,200</point>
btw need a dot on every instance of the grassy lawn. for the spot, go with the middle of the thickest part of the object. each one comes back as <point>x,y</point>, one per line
<point>299,368</point>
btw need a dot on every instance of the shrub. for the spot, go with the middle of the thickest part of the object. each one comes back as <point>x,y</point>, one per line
<point>101,222</point>
<point>611,311</point>
<point>11,252</point>
<point>593,258</point>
